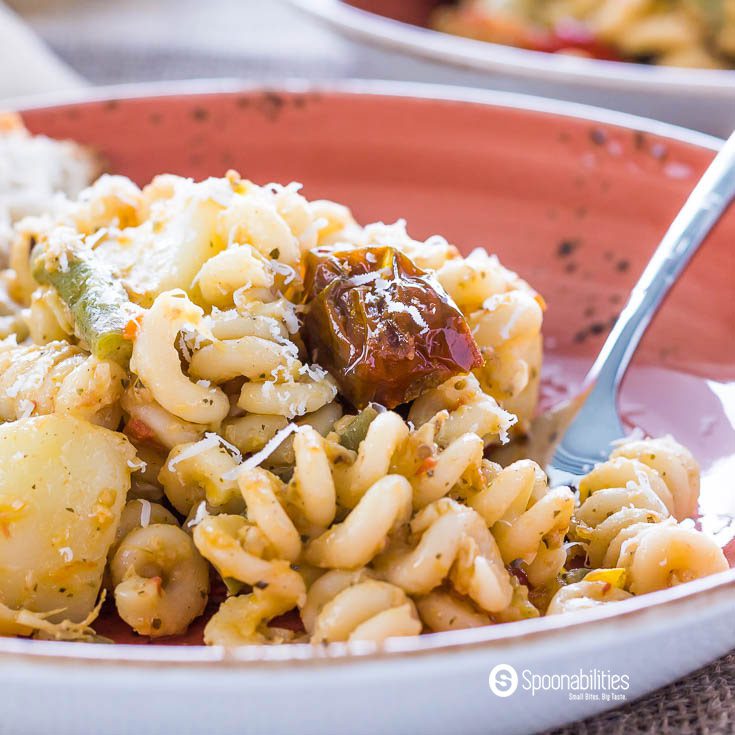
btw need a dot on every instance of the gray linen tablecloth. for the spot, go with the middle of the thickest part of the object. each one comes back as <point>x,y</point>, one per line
<point>145,40</point>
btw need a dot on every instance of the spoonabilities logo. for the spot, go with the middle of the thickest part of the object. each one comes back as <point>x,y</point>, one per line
<point>503,680</point>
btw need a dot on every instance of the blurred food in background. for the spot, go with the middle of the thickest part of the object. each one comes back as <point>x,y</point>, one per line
<point>35,173</point>
<point>685,33</point>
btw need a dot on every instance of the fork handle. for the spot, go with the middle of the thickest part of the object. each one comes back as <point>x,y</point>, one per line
<point>708,200</point>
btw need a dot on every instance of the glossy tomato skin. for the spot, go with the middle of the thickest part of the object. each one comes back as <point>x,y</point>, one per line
<point>384,328</point>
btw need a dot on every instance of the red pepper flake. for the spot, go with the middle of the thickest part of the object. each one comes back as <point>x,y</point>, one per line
<point>289,621</point>
<point>516,568</point>
<point>426,466</point>
<point>606,588</point>
<point>130,332</point>
<point>139,431</point>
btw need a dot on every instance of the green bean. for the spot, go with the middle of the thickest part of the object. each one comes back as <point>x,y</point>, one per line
<point>356,430</point>
<point>98,303</point>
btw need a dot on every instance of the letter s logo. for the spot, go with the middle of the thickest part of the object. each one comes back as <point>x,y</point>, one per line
<point>503,680</point>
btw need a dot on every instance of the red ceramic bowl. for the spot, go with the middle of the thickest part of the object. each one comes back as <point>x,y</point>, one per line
<point>573,198</point>
<point>575,205</point>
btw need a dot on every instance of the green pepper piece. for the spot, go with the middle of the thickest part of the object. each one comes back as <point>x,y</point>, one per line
<point>234,586</point>
<point>357,429</point>
<point>99,303</point>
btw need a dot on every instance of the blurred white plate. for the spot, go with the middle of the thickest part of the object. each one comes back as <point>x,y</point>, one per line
<point>699,98</point>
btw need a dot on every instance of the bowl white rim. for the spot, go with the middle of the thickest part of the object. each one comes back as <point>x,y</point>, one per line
<point>304,654</point>
<point>493,57</point>
<point>369,87</point>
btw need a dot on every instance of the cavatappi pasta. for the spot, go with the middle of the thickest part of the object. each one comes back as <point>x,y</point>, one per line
<point>171,440</point>
<point>686,33</point>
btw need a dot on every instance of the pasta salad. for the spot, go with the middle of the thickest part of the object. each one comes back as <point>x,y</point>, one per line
<point>221,399</point>
<point>685,33</point>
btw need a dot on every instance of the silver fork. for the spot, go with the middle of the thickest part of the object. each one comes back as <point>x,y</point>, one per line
<point>596,425</point>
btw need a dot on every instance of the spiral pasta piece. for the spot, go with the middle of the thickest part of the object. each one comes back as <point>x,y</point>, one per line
<point>442,610</point>
<point>618,498</point>
<point>505,316</point>
<point>508,330</point>
<point>243,620</point>
<point>248,357</point>
<point>236,323</point>
<point>529,521</point>
<point>434,472</point>
<point>140,513</point>
<point>665,555</point>
<point>290,398</point>
<point>239,550</point>
<point>255,220</point>
<point>161,581</point>
<point>250,341</point>
<point>355,473</point>
<point>625,517</point>
<point>149,422</point>
<point>195,471</point>
<point>585,595</point>
<point>364,532</point>
<point>158,365</point>
<point>469,410</point>
<point>227,271</point>
<point>311,489</point>
<point>258,550</point>
<point>449,541</point>
<point>253,341</point>
<point>674,464</point>
<point>353,606</point>
<point>58,378</point>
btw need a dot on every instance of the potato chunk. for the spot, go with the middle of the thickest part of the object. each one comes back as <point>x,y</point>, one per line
<point>63,484</point>
<point>166,251</point>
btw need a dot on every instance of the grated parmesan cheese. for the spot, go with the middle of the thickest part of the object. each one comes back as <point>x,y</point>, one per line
<point>256,459</point>
<point>199,516</point>
<point>291,320</point>
<point>231,448</point>
<point>396,307</point>
<point>284,270</point>
<point>96,237</point>
<point>361,280</point>
<point>25,408</point>
<point>505,420</point>
<point>137,464</point>
<point>210,441</point>
<point>145,513</point>
<point>314,371</point>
